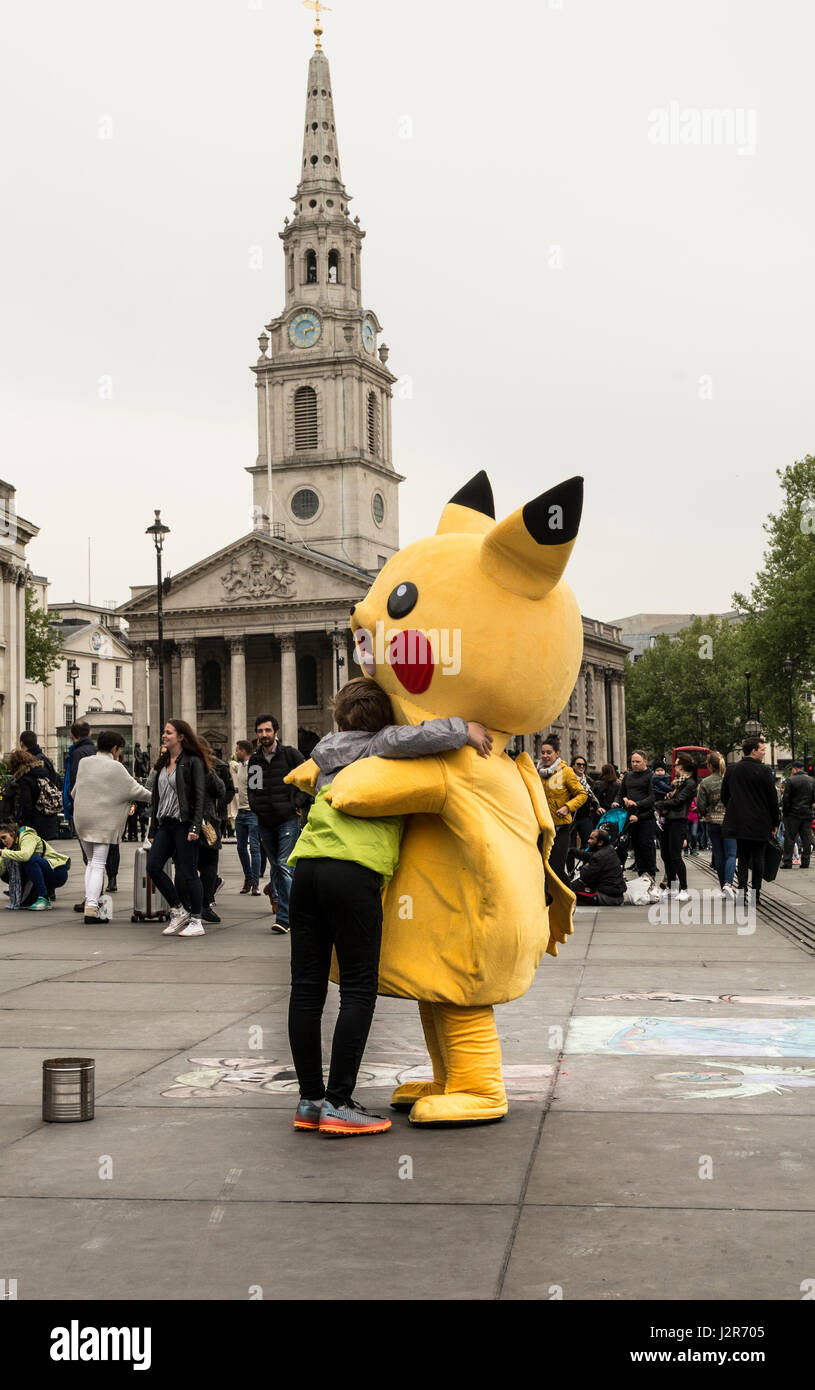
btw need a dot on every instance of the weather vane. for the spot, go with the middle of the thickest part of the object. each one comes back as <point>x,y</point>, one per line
<point>316,7</point>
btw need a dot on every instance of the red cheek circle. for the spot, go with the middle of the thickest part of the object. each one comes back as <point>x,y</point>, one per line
<point>411,658</point>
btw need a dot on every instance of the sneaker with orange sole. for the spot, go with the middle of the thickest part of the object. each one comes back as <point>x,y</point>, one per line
<point>352,1118</point>
<point>308,1113</point>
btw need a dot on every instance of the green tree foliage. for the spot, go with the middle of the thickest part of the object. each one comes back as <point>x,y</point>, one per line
<point>780,609</point>
<point>43,646</point>
<point>701,668</point>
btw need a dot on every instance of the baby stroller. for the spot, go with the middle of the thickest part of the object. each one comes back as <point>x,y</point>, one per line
<point>615,822</point>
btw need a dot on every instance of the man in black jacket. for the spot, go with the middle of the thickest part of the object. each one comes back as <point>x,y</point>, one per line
<point>748,792</point>
<point>637,795</point>
<point>601,880</point>
<point>276,807</point>
<point>797,808</point>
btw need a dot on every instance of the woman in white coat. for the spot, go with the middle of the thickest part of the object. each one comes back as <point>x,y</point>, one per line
<point>103,793</point>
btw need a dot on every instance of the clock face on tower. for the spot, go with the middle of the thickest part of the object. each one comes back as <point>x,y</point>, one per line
<point>368,335</point>
<point>305,328</point>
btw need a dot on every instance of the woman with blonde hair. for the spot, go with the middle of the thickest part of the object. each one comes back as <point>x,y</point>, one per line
<point>711,810</point>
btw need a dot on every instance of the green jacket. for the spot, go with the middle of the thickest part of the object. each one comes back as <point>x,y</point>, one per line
<point>29,842</point>
<point>330,834</point>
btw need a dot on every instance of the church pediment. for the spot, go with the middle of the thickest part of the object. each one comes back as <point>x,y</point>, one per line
<point>256,570</point>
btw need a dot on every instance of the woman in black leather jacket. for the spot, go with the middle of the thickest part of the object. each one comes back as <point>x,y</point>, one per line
<point>179,789</point>
<point>674,807</point>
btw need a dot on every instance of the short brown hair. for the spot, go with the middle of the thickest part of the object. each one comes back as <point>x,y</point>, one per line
<point>81,729</point>
<point>362,704</point>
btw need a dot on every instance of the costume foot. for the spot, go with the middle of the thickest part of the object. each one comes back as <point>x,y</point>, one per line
<point>457,1108</point>
<point>405,1097</point>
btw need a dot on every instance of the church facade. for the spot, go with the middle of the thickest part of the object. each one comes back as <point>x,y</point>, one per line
<point>262,625</point>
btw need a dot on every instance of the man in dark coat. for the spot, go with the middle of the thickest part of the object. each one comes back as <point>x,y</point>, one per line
<point>278,808</point>
<point>797,808</point>
<point>752,814</point>
<point>637,795</point>
<point>601,881</point>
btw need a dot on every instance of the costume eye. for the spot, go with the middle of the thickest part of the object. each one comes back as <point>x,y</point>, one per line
<point>402,600</point>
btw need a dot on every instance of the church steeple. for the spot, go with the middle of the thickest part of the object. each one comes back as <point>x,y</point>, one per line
<point>324,474</point>
<point>320,176</point>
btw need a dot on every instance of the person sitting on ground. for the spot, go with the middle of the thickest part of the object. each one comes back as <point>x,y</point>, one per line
<point>340,864</point>
<point>601,881</point>
<point>103,792</point>
<point>26,858</point>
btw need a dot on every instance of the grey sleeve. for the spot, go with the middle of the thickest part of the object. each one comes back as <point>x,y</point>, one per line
<point>419,740</point>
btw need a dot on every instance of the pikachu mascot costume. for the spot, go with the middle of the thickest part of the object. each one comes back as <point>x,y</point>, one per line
<point>474,621</point>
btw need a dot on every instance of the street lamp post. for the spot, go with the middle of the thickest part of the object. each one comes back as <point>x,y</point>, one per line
<point>158,531</point>
<point>73,677</point>
<point>608,672</point>
<point>340,660</point>
<point>787,668</point>
<point>749,711</point>
<point>700,715</point>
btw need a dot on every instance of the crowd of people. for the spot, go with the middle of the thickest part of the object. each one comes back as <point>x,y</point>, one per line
<point>735,810</point>
<point>327,869</point>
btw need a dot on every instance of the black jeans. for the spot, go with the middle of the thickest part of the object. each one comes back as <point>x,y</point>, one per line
<point>560,850</point>
<point>750,852</point>
<point>208,869</point>
<point>171,842</point>
<point>334,903</point>
<point>582,827</point>
<point>795,825</point>
<point>674,838</point>
<point>643,846</point>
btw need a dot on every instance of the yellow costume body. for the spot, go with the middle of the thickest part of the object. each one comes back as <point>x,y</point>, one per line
<point>465,915</point>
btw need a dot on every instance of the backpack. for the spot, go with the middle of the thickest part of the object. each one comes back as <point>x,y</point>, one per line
<point>49,798</point>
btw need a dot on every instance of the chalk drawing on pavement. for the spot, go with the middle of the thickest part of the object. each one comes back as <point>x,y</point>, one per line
<point>711,1080</point>
<point>233,1076</point>
<point>692,1037</point>
<point>791,1001</point>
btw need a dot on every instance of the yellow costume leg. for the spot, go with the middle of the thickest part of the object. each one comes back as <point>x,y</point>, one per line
<point>404,1096</point>
<point>472,1054</point>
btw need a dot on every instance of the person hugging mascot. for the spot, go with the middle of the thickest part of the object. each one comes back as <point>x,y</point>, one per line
<point>475,621</point>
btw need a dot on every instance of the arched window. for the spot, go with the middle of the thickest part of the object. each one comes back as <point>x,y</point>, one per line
<point>333,267</point>
<point>211,684</point>
<point>306,680</point>
<point>94,707</point>
<point>118,707</point>
<point>353,272</point>
<point>373,423</point>
<point>311,267</point>
<point>305,418</point>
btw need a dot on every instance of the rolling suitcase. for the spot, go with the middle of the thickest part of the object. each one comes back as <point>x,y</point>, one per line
<point>149,905</point>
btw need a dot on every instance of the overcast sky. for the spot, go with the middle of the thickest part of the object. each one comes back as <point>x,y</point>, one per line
<point>568,288</point>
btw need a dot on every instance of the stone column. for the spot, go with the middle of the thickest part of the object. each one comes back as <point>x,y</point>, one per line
<point>139,651</point>
<point>22,576</point>
<point>154,731</point>
<point>237,688</point>
<point>288,689</point>
<point>172,683</point>
<point>189,693</point>
<point>620,748</point>
<point>338,648</point>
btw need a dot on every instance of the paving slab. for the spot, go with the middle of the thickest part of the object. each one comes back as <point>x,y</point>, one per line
<point>190,1154</point>
<point>600,1253</point>
<point>259,970</point>
<point>730,1161</point>
<point>152,997</point>
<point>18,1120</point>
<point>74,1031</point>
<point>21,1069</point>
<point>15,973</point>
<point>684,1085</point>
<point>236,1250</point>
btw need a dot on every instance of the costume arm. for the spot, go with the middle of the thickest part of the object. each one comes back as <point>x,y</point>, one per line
<point>375,787</point>
<point>304,776</point>
<point>419,740</point>
<point>563,899</point>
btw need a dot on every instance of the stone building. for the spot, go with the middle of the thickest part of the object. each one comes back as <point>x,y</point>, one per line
<point>261,626</point>
<point>17,698</point>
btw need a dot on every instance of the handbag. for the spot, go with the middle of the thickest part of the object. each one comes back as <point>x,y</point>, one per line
<point>209,832</point>
<point>772,860</point>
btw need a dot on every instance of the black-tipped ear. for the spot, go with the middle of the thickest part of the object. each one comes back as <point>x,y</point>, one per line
<point>477,495</point>
<point>554,517</point>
